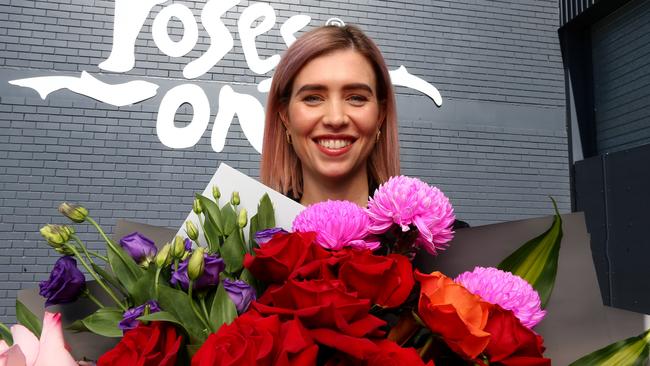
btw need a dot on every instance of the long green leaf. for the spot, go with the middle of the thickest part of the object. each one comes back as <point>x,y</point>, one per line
<point>232,253</point>
<point>161,316</point>
<point>229,217</point>
<point>632,351</point>
<point>124,267</point>
<point>104,322</point>
<point>143,289</point>
<point>223,310</point>
<point>77,326</point>
<point>212,225</point>
<point>177,303</point>
<point>536,260</point>
<point>253,228</point>
<point>265,213</point>
<point>5,334</point>
<point>109,277</point>
<point>28,319</point>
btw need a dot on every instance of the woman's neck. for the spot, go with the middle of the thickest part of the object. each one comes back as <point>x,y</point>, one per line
<point>354,189</point>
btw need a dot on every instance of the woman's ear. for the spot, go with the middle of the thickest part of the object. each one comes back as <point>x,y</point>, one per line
<point>283,115</point>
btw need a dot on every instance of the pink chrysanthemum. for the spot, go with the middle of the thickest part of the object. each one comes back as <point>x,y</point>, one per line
<point>409,201</point>
<point>507,290</point>
<point>337,224</point>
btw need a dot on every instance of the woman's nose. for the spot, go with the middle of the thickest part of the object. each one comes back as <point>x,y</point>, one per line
<point>335,114</point>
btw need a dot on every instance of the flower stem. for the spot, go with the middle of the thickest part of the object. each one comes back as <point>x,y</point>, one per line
<point>195,310</point>
<point>155,286</point>
<point>110,243</point>
<point>93,299</point>
<point>427,346</point>
<point>95,254</point>
<point>83,247</point>
<point>205,311</point>
<point>96,277</point>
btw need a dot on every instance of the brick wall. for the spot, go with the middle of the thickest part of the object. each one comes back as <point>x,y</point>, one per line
<point>497,146</point>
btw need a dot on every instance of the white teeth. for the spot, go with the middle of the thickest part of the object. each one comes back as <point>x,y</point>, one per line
<point>334,144</point>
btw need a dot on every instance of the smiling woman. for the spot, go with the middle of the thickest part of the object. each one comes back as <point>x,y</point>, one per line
<point>331,129</point>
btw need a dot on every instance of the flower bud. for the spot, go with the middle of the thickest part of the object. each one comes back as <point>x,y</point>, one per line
<point>73,212</point>
<point>242,218</point>
<point>68,229</point>
<point>196,206</point>
<point>64,250</point>
<point>163,258</point>
<point>178,248</point>
<point>191,230</point>
<point>55,235</point>
<point>216,193</point>
<point>195,264</point>
<point>234,199</point>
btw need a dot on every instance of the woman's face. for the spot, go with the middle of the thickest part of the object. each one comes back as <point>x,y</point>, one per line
<point>333,115</point>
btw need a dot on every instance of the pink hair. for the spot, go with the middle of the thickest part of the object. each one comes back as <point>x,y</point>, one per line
<point>280,167</point>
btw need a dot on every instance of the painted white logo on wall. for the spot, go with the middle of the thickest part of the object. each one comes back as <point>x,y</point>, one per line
<point>254,20</point>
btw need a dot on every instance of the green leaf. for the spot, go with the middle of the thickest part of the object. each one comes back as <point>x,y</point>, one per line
<point>265,213</point>
<point>28,319</point>
<point>536,260</point>
<point>77,326</point>
<point>124,267</point>
<point>223,310</point>
<point>632,351</point>
<point>5,334</point>
<point>177,303</point>
<point>161,316</point>
<point>212,225</point>
<point>104,322</point>
<point>109,277</point>
<point>229,217</point>
<point>253,228</point>
<point>232,253</point>
<point>143,289</point>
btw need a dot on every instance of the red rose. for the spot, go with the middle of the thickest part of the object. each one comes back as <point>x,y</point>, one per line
<point>255,340</point>
<point>393,355</point>
<point>276,260</point>
<point>332,316</point>
<point>146,345</point>
<point>249,340</point>
<point>385,280</point>
<point>512,343</point>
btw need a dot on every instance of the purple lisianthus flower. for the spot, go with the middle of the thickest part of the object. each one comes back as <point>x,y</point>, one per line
<point>188,244</point>
<point>263,236</point>
<point>240,292</point>
<point>507,290</point>
<point>139,246</point>
<point>130,317</point>
<point>212,266</point>
<point>65,284</point>
<point>409,202</point>
<point>337,224</point>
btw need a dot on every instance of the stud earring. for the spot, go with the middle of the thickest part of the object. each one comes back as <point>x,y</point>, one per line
<point>288,137</point>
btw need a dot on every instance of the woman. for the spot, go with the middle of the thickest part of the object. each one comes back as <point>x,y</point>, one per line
<point>331,125</point>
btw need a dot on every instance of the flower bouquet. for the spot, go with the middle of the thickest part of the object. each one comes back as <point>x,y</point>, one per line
<point>339,289</point>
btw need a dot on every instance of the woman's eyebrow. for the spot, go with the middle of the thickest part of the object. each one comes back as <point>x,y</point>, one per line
<point>321,87</point>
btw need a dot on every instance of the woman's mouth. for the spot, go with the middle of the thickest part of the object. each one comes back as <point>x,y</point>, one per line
<point>334,146</point>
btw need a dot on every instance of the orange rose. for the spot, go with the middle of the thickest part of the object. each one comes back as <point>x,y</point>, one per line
<point>451,311</point>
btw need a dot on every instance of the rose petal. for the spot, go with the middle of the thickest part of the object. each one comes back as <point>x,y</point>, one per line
<point>52,346</point>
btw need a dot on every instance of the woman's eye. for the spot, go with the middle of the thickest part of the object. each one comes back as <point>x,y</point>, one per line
<point>357,99</point>
<point>312,99</point>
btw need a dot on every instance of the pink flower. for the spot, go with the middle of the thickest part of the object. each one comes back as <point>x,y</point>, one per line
<point>337,224</point>
<point>28,350</point>
<point>409,201</point>
<point>507,290</point>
